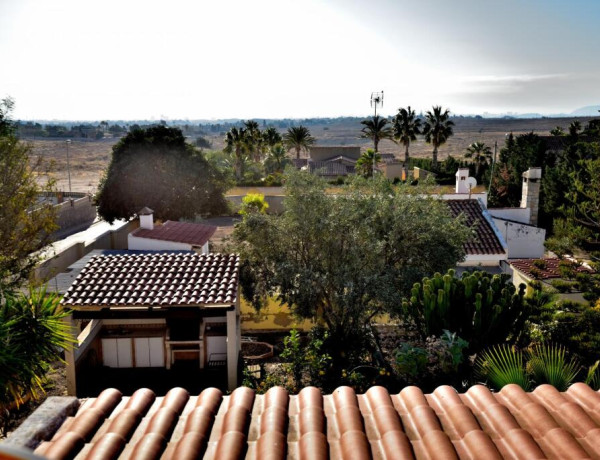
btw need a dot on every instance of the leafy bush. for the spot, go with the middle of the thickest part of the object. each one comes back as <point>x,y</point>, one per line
<point>562,286</point>
<point>549,364</point>
<point>254,203</point>
<point>502,365</point>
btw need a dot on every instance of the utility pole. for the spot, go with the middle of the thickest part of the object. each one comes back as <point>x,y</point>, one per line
<point>68,142</point>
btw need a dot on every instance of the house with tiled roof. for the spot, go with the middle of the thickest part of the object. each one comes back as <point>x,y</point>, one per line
<point>145,309</point>
<point>170,235</point>
<point>445,424</point>
<point>549,273</point>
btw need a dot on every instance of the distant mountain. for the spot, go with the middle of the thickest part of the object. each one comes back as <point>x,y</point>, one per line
<point>589,111</point>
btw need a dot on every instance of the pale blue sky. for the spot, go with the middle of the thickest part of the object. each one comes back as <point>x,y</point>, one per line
<point>141,59</point>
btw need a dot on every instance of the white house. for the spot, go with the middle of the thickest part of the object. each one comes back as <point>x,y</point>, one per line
<point>169,236</point>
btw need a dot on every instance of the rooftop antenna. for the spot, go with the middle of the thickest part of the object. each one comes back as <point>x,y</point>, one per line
<point>376,99</point>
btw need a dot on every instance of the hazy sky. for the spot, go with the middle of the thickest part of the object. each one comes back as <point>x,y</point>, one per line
<point>142,59</point>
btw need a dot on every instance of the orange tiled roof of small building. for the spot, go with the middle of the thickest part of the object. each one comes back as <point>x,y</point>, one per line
<point>478,424</point>
<point>179,232</point>
<point>551,270</point>
<point>155,279</point>
<point>485,241</point>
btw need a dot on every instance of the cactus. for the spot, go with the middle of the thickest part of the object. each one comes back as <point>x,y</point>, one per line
<point>480,308</point>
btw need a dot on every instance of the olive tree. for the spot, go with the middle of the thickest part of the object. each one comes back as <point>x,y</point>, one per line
<point>343,258</point>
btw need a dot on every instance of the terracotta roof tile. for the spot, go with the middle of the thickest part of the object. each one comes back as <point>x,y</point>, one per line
<point>475,425</point>
<point>155,279</point>
<point>551,270</point>
<point>485,240</point>
<point>179,232</point>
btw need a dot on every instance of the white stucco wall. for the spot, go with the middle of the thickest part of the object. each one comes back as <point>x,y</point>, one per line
<point>518,214</point>
<point>523,241</point>
<point>148,244</point>
<point>482,260</point>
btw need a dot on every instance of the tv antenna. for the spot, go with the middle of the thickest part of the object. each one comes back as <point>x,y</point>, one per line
<point>376,99</point>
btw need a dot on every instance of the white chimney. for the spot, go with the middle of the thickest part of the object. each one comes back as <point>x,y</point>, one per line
<point>462,185</point>
<point>530,197</point>
<point>146,216</point>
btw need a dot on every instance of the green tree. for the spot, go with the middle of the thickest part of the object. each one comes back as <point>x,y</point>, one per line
<point>254,203</point>
<point>236,143</point>
<point>272,137</point>
<point>481,155</point>
<point>254,139</point>
<point>376,129</point>
<point>347,257</point>
<point>557,131</point>
<point>298,138</point>
<point>437,130</point>
<point>368,162</point>
<point>155,167</point>
<point>406,128</point>
<point>25,225</point>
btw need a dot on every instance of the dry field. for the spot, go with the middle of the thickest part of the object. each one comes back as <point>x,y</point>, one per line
<point>88,159</point>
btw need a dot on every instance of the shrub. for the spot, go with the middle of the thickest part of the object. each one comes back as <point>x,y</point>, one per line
<point>254,203</point>
<point>540,263</point>
<point>562,286</point>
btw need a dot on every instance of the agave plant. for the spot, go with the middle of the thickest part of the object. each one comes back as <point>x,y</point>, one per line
<point>593,376</point>
<point>549,364</point>
<point>501,365</point>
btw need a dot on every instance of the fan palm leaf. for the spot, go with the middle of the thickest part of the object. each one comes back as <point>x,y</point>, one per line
<point>502,365</point>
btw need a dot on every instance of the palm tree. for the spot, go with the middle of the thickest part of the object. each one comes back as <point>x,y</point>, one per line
<point>272,137</point>
<point>236,141</point>
<point>367,161</point>
<point>481,155</point>
<point>298,138</point>
<point>574,128</point>
<point>276,158</point>
<point>406,127</point>
<point>437,130</point>
<point>254,139</point>
<point>376,128</point>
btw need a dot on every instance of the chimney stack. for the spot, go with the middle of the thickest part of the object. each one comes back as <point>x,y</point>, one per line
<point>146,216</point>
<point>530,197</point>
<point>462,185</point>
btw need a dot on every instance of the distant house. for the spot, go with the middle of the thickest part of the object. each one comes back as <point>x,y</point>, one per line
<point>170,235</point>
<point>154,309</point>
<point>548,273</point>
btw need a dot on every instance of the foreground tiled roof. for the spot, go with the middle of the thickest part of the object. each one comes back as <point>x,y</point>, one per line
<point>478,424</point>
<point>485,241</point>
<point>179,232</point>
<point>155,279</point>
<point>550,271</point>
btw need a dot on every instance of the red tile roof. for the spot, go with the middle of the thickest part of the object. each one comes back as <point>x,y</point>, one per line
<point>478,424</point>
<point>179,232</point>
<point>550,271</point>
<point>155,279</point>
<point>485,241</point>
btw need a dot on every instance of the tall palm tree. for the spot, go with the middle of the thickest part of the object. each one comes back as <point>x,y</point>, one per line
<point>481,155</point>
<point>272,137</point>
<point>236,142</point>
<point>376,129</point>
<point>298,138</point>
<point>437,130</point>
<point>254,139</point>
<point>367,162</point>
<point>406,127</point>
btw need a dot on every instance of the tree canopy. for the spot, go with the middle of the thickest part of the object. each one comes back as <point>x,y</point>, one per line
<point>155,167</point>
<point>344,258</point>
<point>438,129</point>
<point>25,225</point>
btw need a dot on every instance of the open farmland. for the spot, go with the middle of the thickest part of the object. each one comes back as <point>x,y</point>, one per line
<point>89,158</point>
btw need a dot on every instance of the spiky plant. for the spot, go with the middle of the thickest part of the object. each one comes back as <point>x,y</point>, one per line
<point>502,365</point>
<point>593,376</point>
<point>549,364</point>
